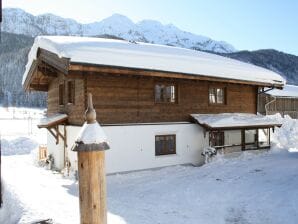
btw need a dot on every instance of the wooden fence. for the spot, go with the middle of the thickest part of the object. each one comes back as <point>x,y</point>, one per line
<point>272,105</point>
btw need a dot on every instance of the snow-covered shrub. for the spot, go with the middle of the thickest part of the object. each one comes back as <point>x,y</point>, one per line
<point>209,152</point>
<point>18,146</point>
<point>287,135</point>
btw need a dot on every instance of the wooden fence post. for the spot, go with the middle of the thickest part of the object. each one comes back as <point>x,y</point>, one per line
<point>91,145</point>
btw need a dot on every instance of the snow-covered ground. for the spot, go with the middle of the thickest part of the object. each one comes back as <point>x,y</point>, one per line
<point>251,187</point>
<point>248,189</point>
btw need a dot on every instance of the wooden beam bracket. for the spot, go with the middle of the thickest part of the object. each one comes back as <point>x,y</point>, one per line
<point>56,134</point>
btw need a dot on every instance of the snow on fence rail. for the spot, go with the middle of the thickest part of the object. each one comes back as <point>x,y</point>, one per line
<point>19,121</point>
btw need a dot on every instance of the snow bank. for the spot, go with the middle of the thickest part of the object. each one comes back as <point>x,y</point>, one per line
<point>286,136</point>
<point>11,212</point>
<point>18,146</point>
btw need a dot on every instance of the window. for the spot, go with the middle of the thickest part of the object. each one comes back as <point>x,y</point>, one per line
<point>165,93</point>
<point>217,138</point>
<point>61,94</point>
<point>217,95</point>
<point>165,144</point>
<point>71,91</point>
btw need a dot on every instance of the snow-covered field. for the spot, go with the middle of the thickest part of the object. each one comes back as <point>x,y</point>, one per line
<point>251,187</point>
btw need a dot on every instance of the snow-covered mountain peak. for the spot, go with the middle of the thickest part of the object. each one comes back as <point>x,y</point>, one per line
<point>150,23</point>
<point>117,18</point>
<point>20,22</point>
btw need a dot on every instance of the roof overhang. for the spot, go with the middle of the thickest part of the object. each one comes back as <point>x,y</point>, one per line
<point>52,121</point>
<point>234,121</point>
<point>67,54</point>
<point>78,67</point>
<point>46,66</point>
<point>288,92</point>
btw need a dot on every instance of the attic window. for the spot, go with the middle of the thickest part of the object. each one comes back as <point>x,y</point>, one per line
<point>217,95</point>
<point>165,93</point>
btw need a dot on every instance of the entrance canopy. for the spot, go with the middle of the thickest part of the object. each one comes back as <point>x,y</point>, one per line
<point>52,122</point>
<point>234,121</point>
<point>254,129</point>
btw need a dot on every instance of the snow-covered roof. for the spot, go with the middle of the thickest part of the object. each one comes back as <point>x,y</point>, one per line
<point>52,120</point>
<point>234,120</point>
<point>289,91</point>
<point>121,53</point>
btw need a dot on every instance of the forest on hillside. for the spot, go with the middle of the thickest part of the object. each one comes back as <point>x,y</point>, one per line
<point>13,58</point>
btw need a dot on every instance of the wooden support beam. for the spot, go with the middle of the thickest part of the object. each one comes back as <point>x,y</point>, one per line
<point>257,138</point>
<point>60,64</point>
<point>39,87</point>
<point>56,134</point>
<point>269,137</point>
<point>242,139</point>
<point>59,133</point>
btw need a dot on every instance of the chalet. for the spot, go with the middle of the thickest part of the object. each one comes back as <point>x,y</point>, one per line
<point>158,105</point>
<point>284,102</point>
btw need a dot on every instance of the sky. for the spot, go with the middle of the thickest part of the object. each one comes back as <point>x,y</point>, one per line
<point>246,24</point>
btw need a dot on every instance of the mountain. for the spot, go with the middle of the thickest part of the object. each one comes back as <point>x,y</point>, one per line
<point>20,22</point>
<point>13,58</point>
<point>279,62</point>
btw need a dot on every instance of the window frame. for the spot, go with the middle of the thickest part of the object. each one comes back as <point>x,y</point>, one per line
<point>166,85</point>
<point>61,94</point>
<point>224,97</point>
<point>71,92</point>
<point>214,139</point>
<point>165,151</point>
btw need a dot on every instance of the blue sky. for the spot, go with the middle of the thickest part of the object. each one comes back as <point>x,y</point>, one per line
<point>246,24</point>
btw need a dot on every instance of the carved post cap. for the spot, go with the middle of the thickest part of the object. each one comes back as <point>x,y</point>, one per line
<point>91,136</point>
<point>90,114</point>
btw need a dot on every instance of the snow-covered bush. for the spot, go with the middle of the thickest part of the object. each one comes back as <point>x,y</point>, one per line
<point>209,152</point>
<point>18,146</point>
<point>287,135</point>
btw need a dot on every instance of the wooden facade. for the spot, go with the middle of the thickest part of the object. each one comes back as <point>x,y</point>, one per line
<point>127,95</point>
<point>122,99</point>
<point>269,105</point>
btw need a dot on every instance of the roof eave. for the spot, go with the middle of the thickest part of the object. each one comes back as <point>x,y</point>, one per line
<point>29,76</point>
<point>88,67</point>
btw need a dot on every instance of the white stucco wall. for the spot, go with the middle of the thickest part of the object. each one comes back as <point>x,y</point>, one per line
<point>56,150</point>
<point>133,146</point>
